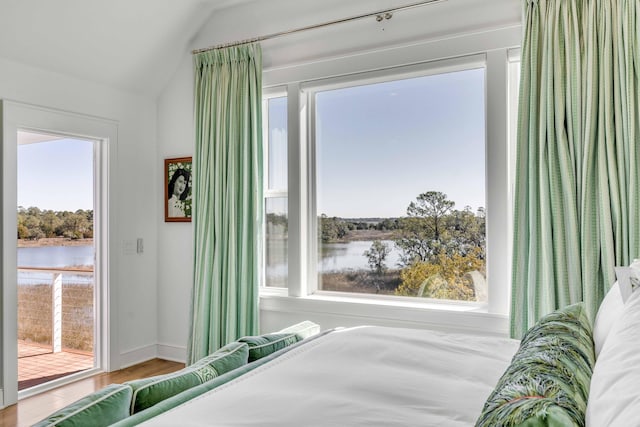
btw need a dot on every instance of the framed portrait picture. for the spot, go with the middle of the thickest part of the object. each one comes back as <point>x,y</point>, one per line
<point>178,182</point>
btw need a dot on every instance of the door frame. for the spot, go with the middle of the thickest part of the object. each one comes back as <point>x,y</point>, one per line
<point>20,116</point>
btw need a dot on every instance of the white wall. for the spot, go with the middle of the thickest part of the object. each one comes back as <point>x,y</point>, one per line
<point>136,190</point>
<point>281,58</point>
<point>175,241</point>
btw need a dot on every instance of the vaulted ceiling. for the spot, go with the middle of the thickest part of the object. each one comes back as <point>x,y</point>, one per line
<point>137,45</point>
<point>133,45</point>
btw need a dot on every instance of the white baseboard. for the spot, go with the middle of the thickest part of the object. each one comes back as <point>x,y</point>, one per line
<point>138,355</point>
<point>172,352</point>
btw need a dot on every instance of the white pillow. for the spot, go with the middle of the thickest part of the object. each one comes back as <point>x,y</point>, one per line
<point>614,395</point>
<point>610,310</point>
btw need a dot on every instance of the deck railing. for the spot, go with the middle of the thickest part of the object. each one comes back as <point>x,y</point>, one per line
<point>56,282</point>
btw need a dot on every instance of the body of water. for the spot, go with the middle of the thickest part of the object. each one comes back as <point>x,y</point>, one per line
<point>55,256</point>
<point>350,256</point>
<point>336,257</point>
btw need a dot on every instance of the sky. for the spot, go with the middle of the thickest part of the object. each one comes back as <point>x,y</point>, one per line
<point>56,175</point>
<point>381,145</point>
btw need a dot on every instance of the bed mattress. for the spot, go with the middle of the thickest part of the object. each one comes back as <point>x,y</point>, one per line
<point>365,376</point>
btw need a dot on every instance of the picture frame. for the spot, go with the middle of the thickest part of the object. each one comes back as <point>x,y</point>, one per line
<point>178,184</point>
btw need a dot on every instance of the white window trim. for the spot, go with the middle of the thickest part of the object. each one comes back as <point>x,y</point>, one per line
<point>267,95</point>
<point>311,89</point>
<point>496,48</point>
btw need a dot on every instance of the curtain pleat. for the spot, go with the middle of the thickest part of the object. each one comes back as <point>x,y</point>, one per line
<point>576,207</point>
<point>228,207</point>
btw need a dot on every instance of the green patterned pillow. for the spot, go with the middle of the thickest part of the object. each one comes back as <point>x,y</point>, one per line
<point>102,408</point>
<point>149,391</point>
<point>547,383</point>
<point>263,345</point>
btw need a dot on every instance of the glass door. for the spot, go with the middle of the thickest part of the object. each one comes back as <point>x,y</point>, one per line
<point>56,252</point>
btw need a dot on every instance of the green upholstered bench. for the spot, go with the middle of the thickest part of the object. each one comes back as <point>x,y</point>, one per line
<point>149,396</point>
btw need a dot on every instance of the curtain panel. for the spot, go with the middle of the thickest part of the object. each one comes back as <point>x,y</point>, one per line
<point>577,192</point>
<point>228,204</point>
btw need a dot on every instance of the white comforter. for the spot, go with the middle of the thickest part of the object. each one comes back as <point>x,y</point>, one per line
<point>367,376</point>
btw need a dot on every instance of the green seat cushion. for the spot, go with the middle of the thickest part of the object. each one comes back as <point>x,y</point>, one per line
<point>149,391</point>
<point>263,345</point>
<point>102,408</point>
<point>547,382</point>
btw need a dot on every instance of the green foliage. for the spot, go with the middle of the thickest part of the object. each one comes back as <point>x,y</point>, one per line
<point>332,229</point>
<point>444,277</point>
<point>433,227</point>
<point>35,224</point>
<point>376,256</point>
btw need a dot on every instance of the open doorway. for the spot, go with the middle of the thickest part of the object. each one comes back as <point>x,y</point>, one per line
<point>56,253</point>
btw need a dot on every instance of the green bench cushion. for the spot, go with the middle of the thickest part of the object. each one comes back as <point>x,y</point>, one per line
<point>149,391</point>
<point>199,390</point>
<point>263,345</point>
<point>102,408</point>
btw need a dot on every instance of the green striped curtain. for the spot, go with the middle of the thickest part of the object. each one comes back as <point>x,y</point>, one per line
<point>228,204</point>
<point>577,195</point>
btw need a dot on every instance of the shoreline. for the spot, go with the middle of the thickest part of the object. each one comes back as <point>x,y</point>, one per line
<point>53,241</point>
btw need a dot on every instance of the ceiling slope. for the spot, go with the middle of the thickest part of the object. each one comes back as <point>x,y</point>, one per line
<point>132,45</point>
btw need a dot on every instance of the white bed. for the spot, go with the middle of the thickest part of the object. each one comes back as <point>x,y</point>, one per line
<point>371,376</point>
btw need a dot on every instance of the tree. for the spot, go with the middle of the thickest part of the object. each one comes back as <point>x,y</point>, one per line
<point>424,234</point>
<point>446,277</point>
<point>376,256</point>
<point>332,229</point>
<point>433,227</point>
<point>34,223</point>
<point>76,225</point>
<point>432,205</point>
<point>466,230</point>
<point>50,223</point>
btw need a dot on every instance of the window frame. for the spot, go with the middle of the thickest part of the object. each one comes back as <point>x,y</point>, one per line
<point>497,47</point>
<point>311,89</point>
<point>267,95</point>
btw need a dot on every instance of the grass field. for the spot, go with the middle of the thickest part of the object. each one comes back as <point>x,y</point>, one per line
<point>362,281</point>
<point>35,315</point>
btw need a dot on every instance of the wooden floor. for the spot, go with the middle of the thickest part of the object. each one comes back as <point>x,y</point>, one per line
<point>32,409</point>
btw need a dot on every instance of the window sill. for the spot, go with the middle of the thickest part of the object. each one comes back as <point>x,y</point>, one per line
<point>331,310</point>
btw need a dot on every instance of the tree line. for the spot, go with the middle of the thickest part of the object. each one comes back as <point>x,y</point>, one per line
<point>34,223</point>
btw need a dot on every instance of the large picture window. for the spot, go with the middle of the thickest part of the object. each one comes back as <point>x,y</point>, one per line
<point>400,186</point>
<point>395,187</point>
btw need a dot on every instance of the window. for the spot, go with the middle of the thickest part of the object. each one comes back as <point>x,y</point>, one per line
<point>276,217</point>
<point>400,185</point>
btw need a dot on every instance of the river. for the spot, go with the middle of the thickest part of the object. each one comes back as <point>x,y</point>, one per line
<point>336,257</point>
<point>55,256</point>
<point>350,256</point>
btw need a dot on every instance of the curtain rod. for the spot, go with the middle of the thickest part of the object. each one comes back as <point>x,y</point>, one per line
<point>380,15</point>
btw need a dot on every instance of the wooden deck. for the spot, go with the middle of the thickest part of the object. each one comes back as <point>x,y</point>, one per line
<point>38,364</point>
